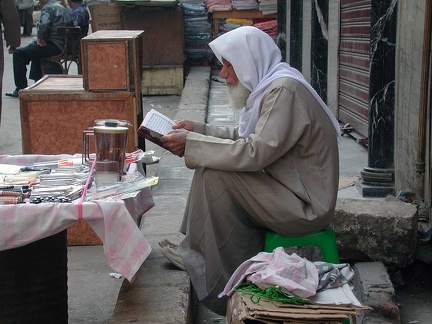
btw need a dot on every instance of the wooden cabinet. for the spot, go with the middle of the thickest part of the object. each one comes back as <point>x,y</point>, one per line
<point>163,45</point>
<point>163,39</point>
<point>112,60</point>
<point>56,109</point>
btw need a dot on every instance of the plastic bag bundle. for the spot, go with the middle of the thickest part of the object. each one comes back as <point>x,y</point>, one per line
<point>292,274</point>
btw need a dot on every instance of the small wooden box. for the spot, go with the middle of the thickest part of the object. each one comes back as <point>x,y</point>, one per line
<point>56,110</point>
<point>112,60</point>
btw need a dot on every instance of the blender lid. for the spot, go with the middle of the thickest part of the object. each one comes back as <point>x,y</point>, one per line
<point>111,125</point>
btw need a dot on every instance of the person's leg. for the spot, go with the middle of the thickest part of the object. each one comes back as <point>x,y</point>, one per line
<point>50,68</point>
<point>21,57</point>
<point>35,70</point>
<point>219,237</point>
<point>24,55</point>
<point>226,217</point>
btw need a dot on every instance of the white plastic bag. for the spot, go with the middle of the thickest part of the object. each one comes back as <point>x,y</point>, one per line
<point>292,274</point>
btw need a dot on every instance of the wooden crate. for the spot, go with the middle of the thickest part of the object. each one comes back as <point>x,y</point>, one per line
<point>162,71</point>
<point>112,60</point>
<point>56,109</point>
<point>163,80</point>
<point>163,39</point>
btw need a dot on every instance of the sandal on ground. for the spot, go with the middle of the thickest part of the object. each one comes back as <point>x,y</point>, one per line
<point>166,242</point>
<point>173,256</point>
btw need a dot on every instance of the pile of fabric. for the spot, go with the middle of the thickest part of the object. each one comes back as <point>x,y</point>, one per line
<point>245,4</point>
<point>197,31</point>
<point>218,5</point>
<point>268,26</point>
<point>267,7</point>
<point>276,279</point>
<point>291,273</point>
<point>233,23</point>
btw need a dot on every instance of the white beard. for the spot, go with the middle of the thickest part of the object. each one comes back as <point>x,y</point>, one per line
<point>238,96</point>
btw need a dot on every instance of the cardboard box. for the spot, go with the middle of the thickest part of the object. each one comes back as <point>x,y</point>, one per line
<point>242,310</point>
<point>56,110</point>
<point>105,16</point>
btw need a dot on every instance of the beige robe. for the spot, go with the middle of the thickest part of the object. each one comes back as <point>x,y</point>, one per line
<point>10,23</point>
<point>283,177</point>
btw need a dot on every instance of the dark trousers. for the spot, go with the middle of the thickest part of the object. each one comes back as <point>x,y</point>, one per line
<point>33,53</point>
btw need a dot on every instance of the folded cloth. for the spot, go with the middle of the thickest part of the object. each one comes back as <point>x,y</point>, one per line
<point>219,7</point>
<point>291,273</point>
<point>333,275</point>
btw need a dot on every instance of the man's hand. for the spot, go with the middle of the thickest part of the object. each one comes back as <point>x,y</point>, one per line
<point>11,50</point>
<point>41,42</point>
<point>175,141</point>
<point>185,124</point>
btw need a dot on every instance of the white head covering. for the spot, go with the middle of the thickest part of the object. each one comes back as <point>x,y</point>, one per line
<point>256,60</point>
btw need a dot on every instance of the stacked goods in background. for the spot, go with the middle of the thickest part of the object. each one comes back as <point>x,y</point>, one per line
<point>198,32</point>
<point>231,14</point>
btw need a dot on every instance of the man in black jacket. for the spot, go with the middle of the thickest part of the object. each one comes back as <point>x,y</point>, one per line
<point>48,42</point>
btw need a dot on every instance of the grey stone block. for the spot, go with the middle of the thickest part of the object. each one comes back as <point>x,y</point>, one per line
<point>373,288</point>
<point>376,230</point>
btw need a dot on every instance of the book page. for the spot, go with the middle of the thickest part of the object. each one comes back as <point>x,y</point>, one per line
<point>157,122</point>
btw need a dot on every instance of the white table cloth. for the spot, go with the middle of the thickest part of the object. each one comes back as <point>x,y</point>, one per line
<point>125,246</point>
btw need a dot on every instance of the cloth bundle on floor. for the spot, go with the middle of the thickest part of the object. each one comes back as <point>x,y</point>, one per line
<point>290,273</point>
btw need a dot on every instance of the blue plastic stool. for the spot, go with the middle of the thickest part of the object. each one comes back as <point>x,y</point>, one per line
<point>325,240</point>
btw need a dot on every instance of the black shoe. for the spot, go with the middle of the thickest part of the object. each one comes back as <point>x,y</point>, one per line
<point>13,94</point>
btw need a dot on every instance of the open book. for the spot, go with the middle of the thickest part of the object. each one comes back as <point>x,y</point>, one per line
<point>154,126</point>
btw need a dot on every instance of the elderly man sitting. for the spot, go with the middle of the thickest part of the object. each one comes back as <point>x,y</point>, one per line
<point>278,170</point>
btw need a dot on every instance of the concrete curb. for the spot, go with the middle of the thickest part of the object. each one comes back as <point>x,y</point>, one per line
<point>373,288</point>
